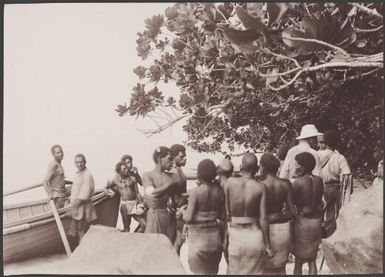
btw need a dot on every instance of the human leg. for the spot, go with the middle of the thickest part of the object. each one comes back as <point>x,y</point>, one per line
<point>312,267</point>
<point>142,223</point>
<point>125,218</point>
<point>298,266</point>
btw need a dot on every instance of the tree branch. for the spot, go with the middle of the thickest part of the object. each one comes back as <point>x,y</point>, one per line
<point>367,10</point>
<point>358,30</point>
<point>320,42</point>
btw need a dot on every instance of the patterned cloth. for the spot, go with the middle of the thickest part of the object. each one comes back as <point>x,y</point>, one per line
<point>204,247</point>
<point>307,237</point>
<point>281,241</point>
<point>161,221</point>
<point>247,250</point>
<point>289,166</point>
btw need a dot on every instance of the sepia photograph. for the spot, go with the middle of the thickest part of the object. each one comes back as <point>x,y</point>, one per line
<point>193,138</point>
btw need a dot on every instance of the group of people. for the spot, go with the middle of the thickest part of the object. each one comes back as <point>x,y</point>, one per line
<point>284,204</point>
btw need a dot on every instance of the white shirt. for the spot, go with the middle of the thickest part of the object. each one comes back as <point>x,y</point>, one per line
<point>290,164</point>
<point>83,186</point>
<point>334,165</point>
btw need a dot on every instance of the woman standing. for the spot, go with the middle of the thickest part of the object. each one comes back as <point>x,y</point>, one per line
<point>206,205</point>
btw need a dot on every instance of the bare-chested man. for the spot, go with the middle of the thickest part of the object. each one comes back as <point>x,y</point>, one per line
<point>128,160</point>
<point>178,156</point>
<point>308,191</point>
<point>206,206</point>
<point>279,193</point>
<point>54,183</point>
<point>246,205</point>
<point>131,200</point>
<point>225,170</point>
<point>159,185</point>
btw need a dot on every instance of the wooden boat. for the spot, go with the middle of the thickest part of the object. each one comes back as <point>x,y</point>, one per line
<point>30,230</point>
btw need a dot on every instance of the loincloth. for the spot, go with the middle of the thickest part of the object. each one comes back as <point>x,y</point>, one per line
<point>204,247</point>
<point>281,241</point>
<point>307,237</point>
<point>247,250</point>
<point>130,206</point>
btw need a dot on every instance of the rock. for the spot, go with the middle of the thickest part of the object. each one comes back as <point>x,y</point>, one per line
<point>106,250</point>
<point>357,244</point>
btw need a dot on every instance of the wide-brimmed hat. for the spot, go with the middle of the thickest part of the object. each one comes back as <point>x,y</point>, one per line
<point>308,131</point>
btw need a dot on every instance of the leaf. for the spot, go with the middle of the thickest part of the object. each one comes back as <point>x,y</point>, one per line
<point>238,36</point>
<point>251,23</point>
<point>276,11</point>
<point>326,29</point>
<point>171,13</point>
<point>140,71</point>
<point>153,25</point>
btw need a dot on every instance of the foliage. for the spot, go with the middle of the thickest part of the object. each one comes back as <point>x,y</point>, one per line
<point>252,74</point>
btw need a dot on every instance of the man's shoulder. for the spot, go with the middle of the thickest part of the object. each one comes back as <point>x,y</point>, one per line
<point>53,164</point>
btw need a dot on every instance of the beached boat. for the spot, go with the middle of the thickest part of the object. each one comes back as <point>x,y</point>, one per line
<point>30,230</point>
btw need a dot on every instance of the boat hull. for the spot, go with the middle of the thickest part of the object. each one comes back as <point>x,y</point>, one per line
<point>40,238</point>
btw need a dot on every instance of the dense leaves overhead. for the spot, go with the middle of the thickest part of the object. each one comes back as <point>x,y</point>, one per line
<point>252,74</point>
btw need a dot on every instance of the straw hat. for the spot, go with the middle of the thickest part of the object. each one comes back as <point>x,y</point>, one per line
<point>308,131</point>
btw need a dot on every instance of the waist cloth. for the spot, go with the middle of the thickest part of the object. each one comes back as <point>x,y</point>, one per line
<point>307,237</point>
<point>280,240</point>
<point>130,206</point>
<point>247,250</point>
<point>161,221</point>
<point>204,247</point>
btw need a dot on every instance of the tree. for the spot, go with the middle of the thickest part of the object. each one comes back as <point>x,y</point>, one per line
<point>252,74</point>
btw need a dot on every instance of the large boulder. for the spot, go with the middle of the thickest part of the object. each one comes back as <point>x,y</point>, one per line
<point>106,250</point>
<point>357,244</point>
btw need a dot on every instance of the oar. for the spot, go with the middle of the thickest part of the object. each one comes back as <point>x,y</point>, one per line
<point>27,188</point>
<point>60,227</point>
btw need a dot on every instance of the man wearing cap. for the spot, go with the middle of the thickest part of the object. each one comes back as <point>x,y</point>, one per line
<point>306,140</point>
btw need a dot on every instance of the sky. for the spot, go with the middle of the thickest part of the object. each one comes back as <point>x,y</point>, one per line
<point>66,68</point>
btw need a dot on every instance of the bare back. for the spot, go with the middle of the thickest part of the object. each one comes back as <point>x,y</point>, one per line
<point>243,196</point>
<point>308,191</point>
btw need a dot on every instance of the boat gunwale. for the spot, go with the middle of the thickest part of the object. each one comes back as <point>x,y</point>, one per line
<point>98,196</point>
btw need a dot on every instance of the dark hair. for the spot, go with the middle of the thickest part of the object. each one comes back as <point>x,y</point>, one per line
<point>250,163</point>
<point>125,157</point>
<point>53,147</point>
<point>80,155</point>
<point>306,160</point>
<point>207,171</point>
<point>175,149</point>
<point>332,138</point>
<point>282,151</point>
<point>160,152</point>
<point>270,163</point>
<point>228,157</point>
<point>118,165</point>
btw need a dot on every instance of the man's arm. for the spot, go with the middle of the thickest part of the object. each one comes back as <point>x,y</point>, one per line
<point>188,214</point>
<point>227,200</point>
<point>46,182</point>
<point>264,222</point>
<point>166,187</point>
<point>317,169</point>
<point>289,202</point>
